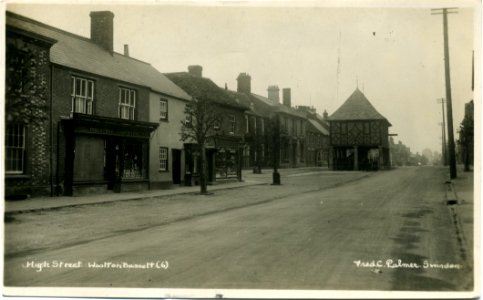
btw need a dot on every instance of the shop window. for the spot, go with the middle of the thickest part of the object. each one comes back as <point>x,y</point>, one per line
<point>127,103</point>
<point>163,159</point>
<point>163,109</point>
<point>82,95</point>
<point>15,149</point>
<point>133,161</point>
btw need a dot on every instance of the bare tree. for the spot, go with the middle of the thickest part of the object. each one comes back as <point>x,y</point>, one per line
<point>201,126</point>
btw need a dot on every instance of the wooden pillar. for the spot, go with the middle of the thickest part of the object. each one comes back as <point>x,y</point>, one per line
<point>356,158</point>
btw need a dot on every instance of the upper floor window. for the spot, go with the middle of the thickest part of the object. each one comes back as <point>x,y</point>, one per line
<point>262,126</point>
<point>232,120</point>
<point>247,125</point>
<point>14,149</point>
<point>82,95</point>
<point>163,109</point>
<point>127,103</point>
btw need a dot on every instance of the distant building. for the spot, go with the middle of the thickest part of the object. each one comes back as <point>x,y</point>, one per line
<point>466,137</point>
<point>317,137</point>
<point>359,135</point>
<point>292,149</point>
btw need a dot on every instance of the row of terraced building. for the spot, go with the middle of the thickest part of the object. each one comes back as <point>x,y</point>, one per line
<point>82,118</point>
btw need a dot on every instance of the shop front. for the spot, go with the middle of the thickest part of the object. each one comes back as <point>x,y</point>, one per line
<point>223,161</point>
<point>103,154</point>
<point>228,158</point>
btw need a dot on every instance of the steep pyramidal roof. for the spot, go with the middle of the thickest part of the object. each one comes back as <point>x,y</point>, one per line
<point>357,107</point>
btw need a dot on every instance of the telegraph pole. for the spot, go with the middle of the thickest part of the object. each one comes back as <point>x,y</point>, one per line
<point>449,108</point>
<point>443,134</point>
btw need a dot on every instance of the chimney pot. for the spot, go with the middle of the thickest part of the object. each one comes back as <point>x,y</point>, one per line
<point>126,50</point>
<point>102,29</point>
<point>195,70</point>
<point>287,98</point>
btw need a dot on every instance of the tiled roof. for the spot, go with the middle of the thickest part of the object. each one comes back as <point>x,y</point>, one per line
<point>356,107</point>
<point>318,126</point>
<point>82,54</point>
<point>252,108</point>
<point>199,87</point>
<point>322,121</point>
<point>277,106</point>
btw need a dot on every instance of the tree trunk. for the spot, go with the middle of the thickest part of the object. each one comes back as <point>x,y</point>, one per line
<point>203,185</point>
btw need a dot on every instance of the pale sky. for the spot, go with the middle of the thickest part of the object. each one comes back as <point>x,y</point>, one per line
<point>394,55</point>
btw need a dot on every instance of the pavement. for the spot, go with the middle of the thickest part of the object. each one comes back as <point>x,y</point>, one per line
<point>463,191</point>
<point>47,203</point>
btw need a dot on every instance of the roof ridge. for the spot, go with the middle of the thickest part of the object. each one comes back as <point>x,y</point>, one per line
<point>62,31</point>
<point>135,59</point>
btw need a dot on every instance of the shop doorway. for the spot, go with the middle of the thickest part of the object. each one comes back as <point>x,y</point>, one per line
<point>176,165</point>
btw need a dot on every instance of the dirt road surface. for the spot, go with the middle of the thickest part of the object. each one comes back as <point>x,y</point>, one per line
<point>383,231</point>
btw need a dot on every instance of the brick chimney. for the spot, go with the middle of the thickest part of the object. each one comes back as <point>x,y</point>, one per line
<point>273,93</point>
<point>126,50</point>
<point>244,83</point>
<point>325,115</point>
<point>195,70</point>
<point>102,29</point>
<point>287,99</point>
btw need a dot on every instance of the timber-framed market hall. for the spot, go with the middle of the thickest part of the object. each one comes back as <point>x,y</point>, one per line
<point>359,136</point>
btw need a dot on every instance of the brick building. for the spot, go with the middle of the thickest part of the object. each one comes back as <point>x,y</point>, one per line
<point>99,117</point>
<point>292,123</point>
<point>223,154</point>
<point>28,105</point>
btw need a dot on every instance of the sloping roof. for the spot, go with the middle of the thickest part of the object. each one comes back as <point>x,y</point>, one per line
<point>322,121</point>
<point>356,107</point>
<point>199,87</point>
<point>81,53</point>
<point>318,126</point>
<point>252,108</point>
<point>276,106</point>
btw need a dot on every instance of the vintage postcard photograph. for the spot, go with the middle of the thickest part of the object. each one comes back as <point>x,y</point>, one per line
<point>258,149</point>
